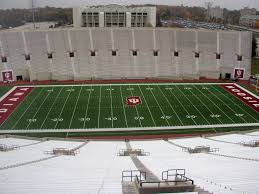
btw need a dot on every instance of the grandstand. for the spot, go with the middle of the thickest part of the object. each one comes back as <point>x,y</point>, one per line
<point>97,167</point>
<point>125,53</point>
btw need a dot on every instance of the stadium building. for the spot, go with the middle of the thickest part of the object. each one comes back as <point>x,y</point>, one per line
<point>114,16</point>
<point>124,53</point>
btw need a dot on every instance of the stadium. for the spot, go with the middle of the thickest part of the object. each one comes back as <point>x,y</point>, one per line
<point>128,110</point>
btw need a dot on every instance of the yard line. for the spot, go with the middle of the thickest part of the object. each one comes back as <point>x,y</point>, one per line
<point>124,109</point>
<point>51,108</point>
<point>233,103</point>
<point>214,104</point>
<point>111,104</point>
<point>147,106</point>
<point>38,109</point>
<point>100,99</point>
<point>86,110</point>
<point>160,107</point>
<point>27,109</point>
<point>136,110</point>
<point>63,108</point>
<point>75,107</point>
<point>170,104</point>
<point>193,105</point>
<point>182,106</point>
<point>204,104</point>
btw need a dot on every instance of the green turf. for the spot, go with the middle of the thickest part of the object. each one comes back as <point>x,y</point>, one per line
<point>4,89</point>
<point>104,106</point>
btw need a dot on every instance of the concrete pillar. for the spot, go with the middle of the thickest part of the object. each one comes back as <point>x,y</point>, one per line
<point>101,19</point>
<point>128,19</point>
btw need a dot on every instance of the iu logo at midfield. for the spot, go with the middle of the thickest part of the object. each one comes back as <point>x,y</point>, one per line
<point>133,100</point>
<point>239,73</point>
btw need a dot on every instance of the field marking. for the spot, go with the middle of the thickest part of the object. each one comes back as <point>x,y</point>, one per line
<point>129,84</point>
<point>235,104</point>
<point>38,109</point>
<point>132,129</point>
<point>249,92</point>
<point>56,97</point>
<point>170,104</point>
<point>71,120</point>
<point>86,110</point>
<point>111,104</point>
<point>147,106</point>
<point>136,111</point>
<point>182,106</point>
<point>100,99</point>
<point>214,104</point>
<point>7,93</point>
<point>36,96</point>
<point>58,119</point>
<point>160,107</point>
<point>205,104</point>
<point>125,117</point>
<point>193,105</point>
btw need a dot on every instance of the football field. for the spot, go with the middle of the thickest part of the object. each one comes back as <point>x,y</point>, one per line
<point>111,107</point>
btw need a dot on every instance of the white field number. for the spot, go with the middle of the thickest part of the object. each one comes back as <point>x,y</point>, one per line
<point>110,89</point>
<point>239,115</point>
<point>70,90</point>
<point>84,119</point>
<point>215,116</point>
<point>168,88</point>
<point>149,88</point>
<point>57,119</point>
<point>205,88</point>
<point>187,88</point>
<point>112,118</point>
<point>166,117</point>
<point>31,120</point>
<point>191,116</point>
<point>89,90</point>
<point>139,118</point>
<point>130,89</point>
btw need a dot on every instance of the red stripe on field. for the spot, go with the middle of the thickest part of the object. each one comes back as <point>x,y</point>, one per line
<point>10,102</point>
<point>242,95</point>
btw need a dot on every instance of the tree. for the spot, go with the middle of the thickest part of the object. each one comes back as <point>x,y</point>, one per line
<point>254,47</point>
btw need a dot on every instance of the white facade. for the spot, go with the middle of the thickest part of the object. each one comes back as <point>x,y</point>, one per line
<point>216,12</point>
<point>119,53</point>
<point>251,21</point>
<point>114,16</point>
<point>247,11</point>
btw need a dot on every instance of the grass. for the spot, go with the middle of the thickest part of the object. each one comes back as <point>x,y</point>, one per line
<point>255,66</point>
<point>95,107</point>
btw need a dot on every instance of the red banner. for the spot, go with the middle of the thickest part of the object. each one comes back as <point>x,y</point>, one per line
<point>10,102</point>
<point>243,95</point>
<point>7,76</point>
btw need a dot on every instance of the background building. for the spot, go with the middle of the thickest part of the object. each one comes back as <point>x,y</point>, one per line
<point>216,12</point>
<point>251,21</point>
<point>247,11</point>
<point>114,16</point>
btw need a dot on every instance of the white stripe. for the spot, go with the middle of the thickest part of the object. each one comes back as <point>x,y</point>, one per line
<point>7,93</point>
<point>130,129</point>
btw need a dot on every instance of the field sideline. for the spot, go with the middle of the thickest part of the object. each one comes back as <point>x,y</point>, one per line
<point>108,107</point>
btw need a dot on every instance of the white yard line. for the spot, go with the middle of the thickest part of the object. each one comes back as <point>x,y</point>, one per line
<point>251,93</point>
<point>63,108</point>
<point>51,108</point>
<point>75,107</point>
<point>7,93</point>
<point>38,109</point>
<point>111,104</point>
<point>193,106</point>
<point>215,104</point>
<point>86,110</point>
<point>147,106</point>
<point>182,106</point>
<point>100,100</point>
<point>233,103</point>
<point>204,104</point>
<point>131,129</point>
<point>136,110</point>
<point>170,104</point>
<point>125,117</point>
<point>133,84</point>
<point>160,108</point>
<point>27,109</point>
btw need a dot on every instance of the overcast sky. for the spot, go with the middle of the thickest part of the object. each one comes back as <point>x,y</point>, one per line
<point>230,4</point>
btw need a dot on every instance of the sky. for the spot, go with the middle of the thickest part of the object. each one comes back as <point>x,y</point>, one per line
<point>230,4</point>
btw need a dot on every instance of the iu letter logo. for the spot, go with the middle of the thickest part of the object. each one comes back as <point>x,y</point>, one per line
<point>7,75</point>
<point>133,101</point>
<point>239,73</point>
